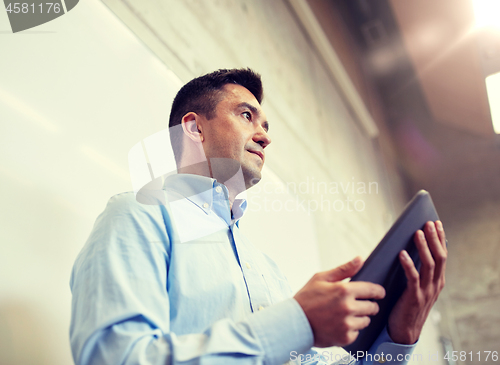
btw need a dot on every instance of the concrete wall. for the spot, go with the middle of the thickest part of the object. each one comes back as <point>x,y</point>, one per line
<point>82,90</point>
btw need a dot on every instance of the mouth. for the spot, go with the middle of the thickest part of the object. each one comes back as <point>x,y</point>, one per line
<point>258,153</point>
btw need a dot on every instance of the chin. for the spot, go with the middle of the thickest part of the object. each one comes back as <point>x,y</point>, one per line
<point>251,178</point>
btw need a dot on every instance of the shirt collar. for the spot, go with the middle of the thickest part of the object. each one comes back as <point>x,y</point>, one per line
<point>201,191</point>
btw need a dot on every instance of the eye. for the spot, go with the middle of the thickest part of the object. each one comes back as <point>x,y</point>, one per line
<point>247,115</point>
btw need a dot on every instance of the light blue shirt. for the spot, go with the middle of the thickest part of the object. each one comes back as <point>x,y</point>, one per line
<point>172,280</point>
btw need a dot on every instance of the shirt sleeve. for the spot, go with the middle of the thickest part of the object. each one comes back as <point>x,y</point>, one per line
<point>121,309</point>
<point>384,350</point>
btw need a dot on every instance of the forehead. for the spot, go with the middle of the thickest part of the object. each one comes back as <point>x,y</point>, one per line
<point>235,94</point>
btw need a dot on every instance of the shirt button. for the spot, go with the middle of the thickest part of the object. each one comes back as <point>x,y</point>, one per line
<point>261,307</point>
<point>382,359</point>
<point>218,189</point>
<point>205,205</point>
<point>248,265</point>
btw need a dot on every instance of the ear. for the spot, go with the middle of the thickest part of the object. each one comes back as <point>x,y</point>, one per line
<point>191,127</point>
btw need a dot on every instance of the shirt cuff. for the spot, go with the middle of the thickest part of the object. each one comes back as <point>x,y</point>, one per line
<point>282,329</point>
<point>385,350</point>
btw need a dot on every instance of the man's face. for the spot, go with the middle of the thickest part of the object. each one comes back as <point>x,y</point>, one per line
<point>238,131</point>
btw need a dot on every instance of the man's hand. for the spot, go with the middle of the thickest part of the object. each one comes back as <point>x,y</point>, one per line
<point>409,315</point>
<point>332,307</point>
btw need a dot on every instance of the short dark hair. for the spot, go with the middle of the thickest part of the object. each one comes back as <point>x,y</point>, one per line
<point>202,94</point>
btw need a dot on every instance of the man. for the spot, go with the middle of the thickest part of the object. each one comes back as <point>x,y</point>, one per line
<point>172,280</point>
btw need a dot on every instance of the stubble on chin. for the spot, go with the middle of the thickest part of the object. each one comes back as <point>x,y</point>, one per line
<point>252,179</point>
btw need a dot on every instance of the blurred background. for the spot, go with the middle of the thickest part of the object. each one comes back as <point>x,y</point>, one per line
<point>369,101</point>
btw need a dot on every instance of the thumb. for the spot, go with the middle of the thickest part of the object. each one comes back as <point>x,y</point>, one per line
<point>344,271</point>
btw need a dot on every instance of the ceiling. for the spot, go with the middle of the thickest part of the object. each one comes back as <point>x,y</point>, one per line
<point>420,67</point>
<point>441,41</point>
<point>426,57</point>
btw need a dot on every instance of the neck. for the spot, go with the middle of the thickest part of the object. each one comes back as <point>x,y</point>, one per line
<point>226,171</point>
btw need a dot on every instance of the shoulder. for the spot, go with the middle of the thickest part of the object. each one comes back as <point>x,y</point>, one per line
<point>126,212</point>
<point>129,202</point>
<point>127,222</point>
<point>123,201</point>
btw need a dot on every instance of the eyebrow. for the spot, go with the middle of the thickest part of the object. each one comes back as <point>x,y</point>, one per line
<point>254,110</point>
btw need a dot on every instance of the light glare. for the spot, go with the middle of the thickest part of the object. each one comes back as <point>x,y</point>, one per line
<point>487,13</point>
<point>493,89</point>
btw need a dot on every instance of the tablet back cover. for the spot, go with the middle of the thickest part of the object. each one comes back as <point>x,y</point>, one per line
<point>383,266</point>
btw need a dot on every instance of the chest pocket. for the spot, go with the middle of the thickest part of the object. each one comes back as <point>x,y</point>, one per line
<point>276,282</point>
<point>279,289</point>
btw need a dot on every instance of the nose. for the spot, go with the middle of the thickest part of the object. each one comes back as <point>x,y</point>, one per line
<point>262,137</point>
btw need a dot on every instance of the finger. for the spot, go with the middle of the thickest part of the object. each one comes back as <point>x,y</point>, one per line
<point>441,235</point>
<point>441,255</point>
<point>358,323</point>
<point>410,270</point>
<point>344,271</point>
<point>436,248</point>
<point>365,308</point>
<point>351,336</point>
<point>366,290</point>
<point>428,264</point>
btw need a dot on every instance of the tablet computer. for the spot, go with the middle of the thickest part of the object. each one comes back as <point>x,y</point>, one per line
<point>383,266</point>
